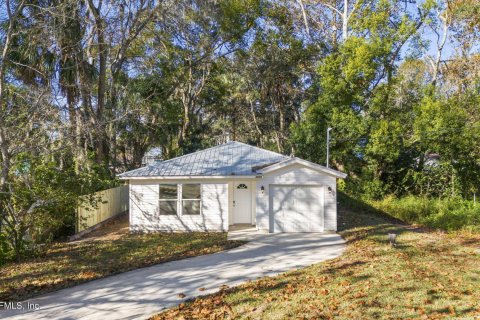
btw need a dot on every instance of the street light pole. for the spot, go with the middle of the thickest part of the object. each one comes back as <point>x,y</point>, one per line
<point>328,145</point>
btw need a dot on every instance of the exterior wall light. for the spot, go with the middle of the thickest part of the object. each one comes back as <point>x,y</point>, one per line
<point>262,189</point>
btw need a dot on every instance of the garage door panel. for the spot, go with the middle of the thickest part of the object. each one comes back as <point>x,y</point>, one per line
<point>277,205</point>
<point>297,208</point>
<point>317,208</point>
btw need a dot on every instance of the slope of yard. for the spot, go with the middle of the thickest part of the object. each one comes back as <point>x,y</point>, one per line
<point>106,252</point>
<point>428,275</point>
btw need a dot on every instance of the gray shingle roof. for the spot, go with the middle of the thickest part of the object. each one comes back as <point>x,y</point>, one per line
<point>232,158</point>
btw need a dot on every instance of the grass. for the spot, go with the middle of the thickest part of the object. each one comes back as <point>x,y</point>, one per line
<point>68,264</point>
<point>429,275</point>
<point>448,213</point>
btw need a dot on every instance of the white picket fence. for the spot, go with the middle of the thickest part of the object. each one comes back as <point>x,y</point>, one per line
<point>108,203</point>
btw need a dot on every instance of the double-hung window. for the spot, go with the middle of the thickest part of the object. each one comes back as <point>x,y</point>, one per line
<point>191,199</point>
<point>173,197</point>
<point>168,199</point>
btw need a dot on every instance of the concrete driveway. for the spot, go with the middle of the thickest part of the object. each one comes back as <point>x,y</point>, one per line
<point>144,292</point>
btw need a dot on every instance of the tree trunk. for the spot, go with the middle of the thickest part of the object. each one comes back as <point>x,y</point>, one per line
<point>101,85</point>
<point>4,145</point>
<point>345,21</point>
<point>255,122</point>
<point>5,159</point>
<point>182,134</point>
<point>304,15</point>
<point>440,45</point>
<point>3,68</point>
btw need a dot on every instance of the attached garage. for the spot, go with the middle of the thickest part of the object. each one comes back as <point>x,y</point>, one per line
<point>297,196</point>
<point>297,208</point>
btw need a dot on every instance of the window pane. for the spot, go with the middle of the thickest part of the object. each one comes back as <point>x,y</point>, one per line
<point>191,191</point>
<point>168,207</point>
<point>168,191</point>
<point>191,207</point>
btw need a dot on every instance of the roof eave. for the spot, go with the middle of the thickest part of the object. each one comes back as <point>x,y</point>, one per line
<point>306,163</point>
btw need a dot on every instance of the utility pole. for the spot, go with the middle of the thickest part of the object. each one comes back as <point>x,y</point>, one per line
<point>328,145</point>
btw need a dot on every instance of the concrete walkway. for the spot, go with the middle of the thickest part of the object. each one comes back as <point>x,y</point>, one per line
<point>141,293</point>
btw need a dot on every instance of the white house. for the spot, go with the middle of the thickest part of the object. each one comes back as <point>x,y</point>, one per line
<point>233,183</point>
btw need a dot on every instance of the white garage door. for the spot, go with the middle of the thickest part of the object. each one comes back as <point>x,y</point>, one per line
<point>296,208</point>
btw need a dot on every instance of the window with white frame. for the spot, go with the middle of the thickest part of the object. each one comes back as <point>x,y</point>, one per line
<point>191,199</point>
<point>168,199</point>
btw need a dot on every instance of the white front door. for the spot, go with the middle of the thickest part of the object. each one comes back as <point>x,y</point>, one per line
<point>242,202</point>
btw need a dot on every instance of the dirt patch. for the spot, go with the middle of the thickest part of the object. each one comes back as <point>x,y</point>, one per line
<point>113,230</point>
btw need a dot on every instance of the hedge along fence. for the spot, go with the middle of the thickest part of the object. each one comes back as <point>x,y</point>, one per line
<point>100,206</point>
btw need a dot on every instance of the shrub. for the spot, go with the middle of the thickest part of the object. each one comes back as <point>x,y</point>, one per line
<point>5,252</point>
<point>374,189</point>
<point>448,214</point>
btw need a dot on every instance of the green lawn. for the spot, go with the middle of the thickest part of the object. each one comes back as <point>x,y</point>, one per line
<point>67,264</point>
<point>429,275</point>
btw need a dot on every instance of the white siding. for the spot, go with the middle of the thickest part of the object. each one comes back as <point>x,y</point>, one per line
<point>297,175</point>
<point>144,215</point>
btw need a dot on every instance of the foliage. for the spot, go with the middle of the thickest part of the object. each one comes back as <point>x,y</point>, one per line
<point>388,116</point>
<point>5,253</point>
<point>447,214</point>
<point>439,180</point>
<point>42,203</point>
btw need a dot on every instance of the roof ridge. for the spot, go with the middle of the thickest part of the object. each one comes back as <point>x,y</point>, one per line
<point>192,153</point>
<point>176,158</point>
<point>246,144</point>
